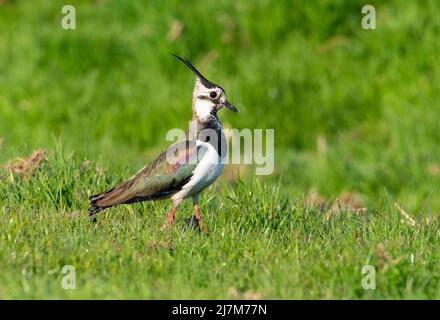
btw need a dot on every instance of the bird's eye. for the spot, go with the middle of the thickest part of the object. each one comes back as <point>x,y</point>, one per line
<point>213,94</point>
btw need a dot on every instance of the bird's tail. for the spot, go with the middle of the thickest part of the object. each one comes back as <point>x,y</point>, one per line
<point>109,198</point>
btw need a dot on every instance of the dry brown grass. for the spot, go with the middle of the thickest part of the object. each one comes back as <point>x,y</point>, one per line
<point>383,258</point>
<point>407,218</point>
<point>244,295</point>
<point>24,167</point>
<point>347,201</point>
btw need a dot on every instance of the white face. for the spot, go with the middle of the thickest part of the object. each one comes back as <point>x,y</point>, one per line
<point>206,100</point>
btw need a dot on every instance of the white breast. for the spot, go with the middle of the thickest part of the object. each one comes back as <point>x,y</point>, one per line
<point>207,171</point>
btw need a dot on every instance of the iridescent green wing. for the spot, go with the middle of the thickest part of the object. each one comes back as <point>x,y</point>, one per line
<point>167,173</point>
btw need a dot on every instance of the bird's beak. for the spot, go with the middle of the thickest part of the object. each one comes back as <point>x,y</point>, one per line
<point>228,105</point>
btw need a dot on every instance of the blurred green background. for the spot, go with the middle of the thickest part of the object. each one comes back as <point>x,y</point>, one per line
<point>353,110</point>
<point>355,113</point>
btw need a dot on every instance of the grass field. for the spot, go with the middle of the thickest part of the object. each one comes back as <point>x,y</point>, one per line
<point>357,129</point>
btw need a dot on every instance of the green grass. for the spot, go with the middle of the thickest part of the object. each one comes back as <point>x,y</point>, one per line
<point>354,111</point>
<point>260,242</point>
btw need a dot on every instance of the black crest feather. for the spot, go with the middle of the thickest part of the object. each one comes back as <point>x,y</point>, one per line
<point>188,63</point>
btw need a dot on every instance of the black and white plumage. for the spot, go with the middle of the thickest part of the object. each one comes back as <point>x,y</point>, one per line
<point>186,173</point>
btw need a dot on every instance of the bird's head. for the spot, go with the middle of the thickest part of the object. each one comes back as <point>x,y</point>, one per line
<point>208,97</point>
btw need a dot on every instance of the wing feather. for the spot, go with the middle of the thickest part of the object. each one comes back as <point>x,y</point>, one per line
<point>161,178</point>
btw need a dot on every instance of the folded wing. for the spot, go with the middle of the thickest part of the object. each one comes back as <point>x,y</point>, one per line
<point>161,178</point>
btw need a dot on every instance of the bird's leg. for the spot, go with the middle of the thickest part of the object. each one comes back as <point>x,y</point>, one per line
<point>198,216</point>
<point>171,214</point>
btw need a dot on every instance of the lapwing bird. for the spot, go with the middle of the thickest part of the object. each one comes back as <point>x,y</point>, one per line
<point>187,167</point>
